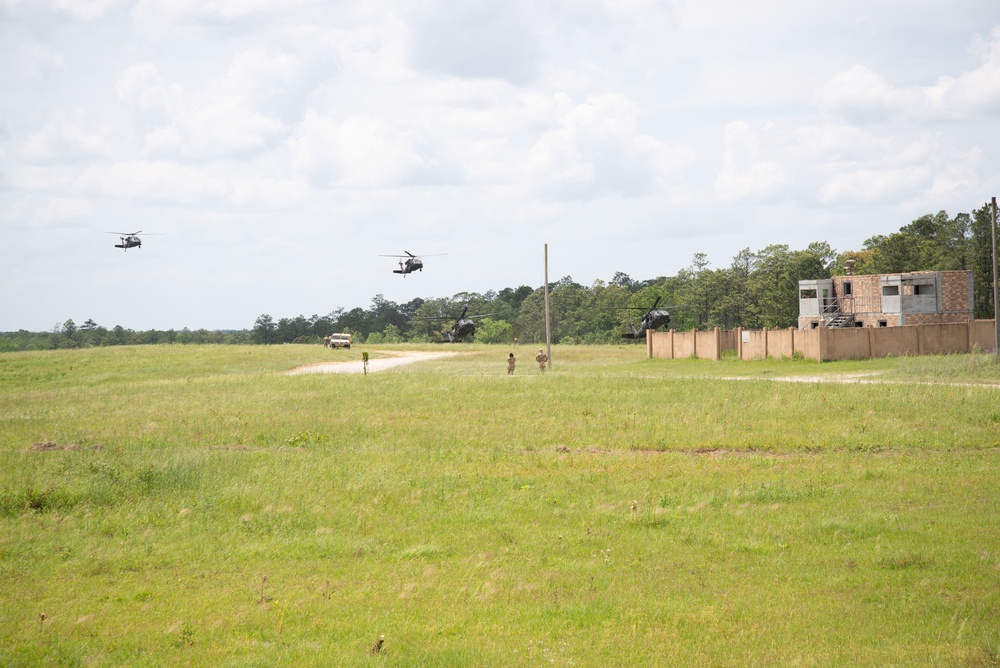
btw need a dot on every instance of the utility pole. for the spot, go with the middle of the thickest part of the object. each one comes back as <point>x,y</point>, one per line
<point>996,299</point>
<point>548,329</point>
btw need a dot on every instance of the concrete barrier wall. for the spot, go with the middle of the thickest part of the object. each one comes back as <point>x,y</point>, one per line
<point>681,345</point>
<point>727,339</point>
<point>806,341</point>
<point>826,344</point>
<point>709,345</point>
<point>938,339</point>
<point>780,343</point>
<point>982,335</point>
<point>754,344</point>
<point>851,343</point>
<point>758,344</point>
<point>893,341</point>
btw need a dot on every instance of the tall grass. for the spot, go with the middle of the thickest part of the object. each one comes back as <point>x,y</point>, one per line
<point>613,511</point>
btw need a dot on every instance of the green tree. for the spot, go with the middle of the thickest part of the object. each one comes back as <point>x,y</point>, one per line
<point>530,323</point>
<point>264,330</point>
<point>697,292</point>
<point>68,338</point>
<point>944,241</point>
<point>116,336</point>
<point>981,260</point>
<point>391,334</point>
<point>774,282</point>
<point>900,252</point>
<point>494,331</point>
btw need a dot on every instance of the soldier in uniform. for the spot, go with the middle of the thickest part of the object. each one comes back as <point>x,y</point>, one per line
<point>510,364</point>
<point>541,358</point>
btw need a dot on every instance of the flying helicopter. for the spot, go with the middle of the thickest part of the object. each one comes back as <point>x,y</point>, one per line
<point>653,319</point>
<point>463,327</point>
<point>128,240</point>
<point>411,262</point>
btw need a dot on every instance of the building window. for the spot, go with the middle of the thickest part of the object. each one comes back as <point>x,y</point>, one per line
<point>890,290</point>
<point>807,294</point>
<point>859,323</point>
<point>883,323</point>
<point>847,289</point>
<point>923,289</point>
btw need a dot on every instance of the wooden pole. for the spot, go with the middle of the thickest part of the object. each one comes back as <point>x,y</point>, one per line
<point>996,298</point>
<point>548,328</point>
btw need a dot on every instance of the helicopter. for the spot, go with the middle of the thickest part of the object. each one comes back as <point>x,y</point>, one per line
<point>411,263</point>
<point>653,319</point>
<point>463,327</point>
<point>129,240</point>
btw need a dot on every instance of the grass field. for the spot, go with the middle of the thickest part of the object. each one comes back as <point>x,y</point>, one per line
<point>197,505</point>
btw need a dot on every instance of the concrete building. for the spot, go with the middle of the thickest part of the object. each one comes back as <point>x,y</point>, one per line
<point>886,300</point>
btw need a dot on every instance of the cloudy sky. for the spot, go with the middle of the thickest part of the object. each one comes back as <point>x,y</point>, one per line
<point>278,147</point>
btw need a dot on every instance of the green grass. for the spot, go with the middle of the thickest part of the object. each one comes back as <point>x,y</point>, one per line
<point>614,511</point>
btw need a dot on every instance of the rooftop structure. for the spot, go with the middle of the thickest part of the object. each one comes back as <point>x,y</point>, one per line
<point>886,300</point>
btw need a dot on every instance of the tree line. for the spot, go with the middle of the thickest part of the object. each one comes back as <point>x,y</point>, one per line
<point>757,289</point>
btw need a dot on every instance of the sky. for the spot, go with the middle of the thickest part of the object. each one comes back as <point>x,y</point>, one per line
<point>278,148</point>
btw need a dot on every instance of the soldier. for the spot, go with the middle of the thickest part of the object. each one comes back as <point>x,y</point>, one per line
<point>541,358</point>
<point>510,364</point>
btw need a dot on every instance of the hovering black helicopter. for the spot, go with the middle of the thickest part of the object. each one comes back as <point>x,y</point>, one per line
<point>129,240</point>
<point>653,319</point>
<point>463,327</point>
<point>411,263</point>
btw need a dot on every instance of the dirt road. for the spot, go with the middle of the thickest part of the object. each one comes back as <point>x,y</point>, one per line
<point>357,366</point>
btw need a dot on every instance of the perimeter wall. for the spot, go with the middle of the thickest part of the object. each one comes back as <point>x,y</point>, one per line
<point>825,345</point>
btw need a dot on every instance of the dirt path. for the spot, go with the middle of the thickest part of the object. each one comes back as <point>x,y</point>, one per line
<point>357,366</point>
<point>861,378</point>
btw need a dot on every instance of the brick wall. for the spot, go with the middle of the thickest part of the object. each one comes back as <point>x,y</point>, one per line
<point>956,292</point>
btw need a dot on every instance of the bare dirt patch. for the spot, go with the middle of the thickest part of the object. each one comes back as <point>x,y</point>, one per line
<point>52,445</point>
<point>860,378</point>
<point>381,364</point>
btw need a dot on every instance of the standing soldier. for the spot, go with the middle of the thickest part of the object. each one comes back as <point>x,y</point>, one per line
<point>541,358</point>
<point>510,364</point>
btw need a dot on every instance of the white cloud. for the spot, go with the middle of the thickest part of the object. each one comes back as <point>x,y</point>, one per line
<point>62,211</point>
<point>221,123</point>
<point>958,179</point>
<point>36,60</point>
<point>87,10</point>
<point>861,95</point>
<point>69,138</point>
<point>976,92</point>
<point>142,87</point>
<point>743,175</point>
<point>160,181</point>
<point>595,148</point>
<point>871,186</point>
<point>476,39</point>
<point>364,152</point>
<point>168,14</point>
<point>259,75</point>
